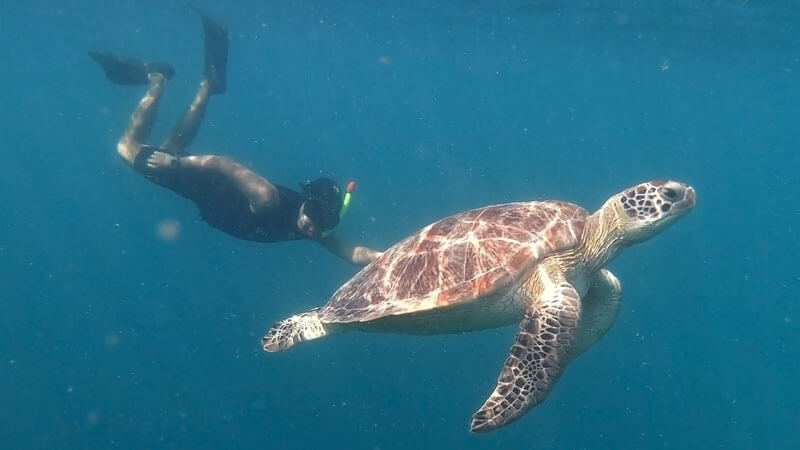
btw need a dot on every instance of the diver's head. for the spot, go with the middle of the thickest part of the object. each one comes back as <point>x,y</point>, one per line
<point>321,207</point>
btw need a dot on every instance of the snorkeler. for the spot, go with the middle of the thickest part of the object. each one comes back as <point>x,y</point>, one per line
<point>230,196</point>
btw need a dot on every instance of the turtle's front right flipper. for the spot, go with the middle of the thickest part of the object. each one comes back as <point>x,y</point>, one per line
<point>538,356</point>
<point>129,71</point>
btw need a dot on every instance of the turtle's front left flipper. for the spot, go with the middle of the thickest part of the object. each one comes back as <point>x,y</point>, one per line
<point>538,356</point>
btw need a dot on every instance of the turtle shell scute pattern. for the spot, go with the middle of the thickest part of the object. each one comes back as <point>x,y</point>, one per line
<point>457,259</point>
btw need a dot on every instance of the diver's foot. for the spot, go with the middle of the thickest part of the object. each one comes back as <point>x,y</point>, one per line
<point>129,71</point>
<point>216,53</point>
<point>161,67</point>
<point>158,160</point>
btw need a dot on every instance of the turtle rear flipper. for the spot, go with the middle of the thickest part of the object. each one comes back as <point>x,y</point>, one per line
<point>538,356</point>
<point>298,328</point>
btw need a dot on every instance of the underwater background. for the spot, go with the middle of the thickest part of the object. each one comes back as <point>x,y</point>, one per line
<point>116,335</point>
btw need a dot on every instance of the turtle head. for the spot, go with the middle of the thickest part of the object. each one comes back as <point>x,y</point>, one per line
<point>644,210</point>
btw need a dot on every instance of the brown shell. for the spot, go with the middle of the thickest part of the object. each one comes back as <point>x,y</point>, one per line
<point>457,259</point>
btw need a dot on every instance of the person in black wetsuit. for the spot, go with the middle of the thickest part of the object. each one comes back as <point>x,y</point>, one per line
<point>230,196</point>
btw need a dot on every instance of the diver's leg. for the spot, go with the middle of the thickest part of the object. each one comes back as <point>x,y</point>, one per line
<point>186,128</point>
<point>216,56</point>
<point>141,121</point>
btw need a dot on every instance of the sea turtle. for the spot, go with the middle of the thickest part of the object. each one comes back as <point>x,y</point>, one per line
<point>539,264</point>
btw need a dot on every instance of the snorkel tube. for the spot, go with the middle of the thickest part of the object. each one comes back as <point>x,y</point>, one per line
<point>351,186</point>
<point>348,194</point>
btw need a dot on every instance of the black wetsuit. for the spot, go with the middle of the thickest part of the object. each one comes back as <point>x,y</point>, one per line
<point>233,216</point>
<point>223,207</point>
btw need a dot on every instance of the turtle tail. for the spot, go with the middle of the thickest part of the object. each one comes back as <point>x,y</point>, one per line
<point>298,328</point>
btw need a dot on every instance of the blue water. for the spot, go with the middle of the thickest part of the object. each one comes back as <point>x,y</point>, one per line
<point>113,338</point>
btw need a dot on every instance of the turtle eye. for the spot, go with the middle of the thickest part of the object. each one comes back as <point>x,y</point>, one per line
<point>670,193</point>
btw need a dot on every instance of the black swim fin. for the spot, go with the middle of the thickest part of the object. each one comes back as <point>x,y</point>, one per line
<point>216,52</point>
<point>129,71</point>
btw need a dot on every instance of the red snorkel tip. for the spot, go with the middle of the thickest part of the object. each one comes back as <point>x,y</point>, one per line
<point>351,186</point>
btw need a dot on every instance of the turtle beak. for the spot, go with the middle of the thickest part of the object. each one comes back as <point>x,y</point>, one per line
<point>690,198</point>
<point>689,201</point>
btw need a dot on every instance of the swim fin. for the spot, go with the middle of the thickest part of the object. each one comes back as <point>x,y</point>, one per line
<point>216,52</point>
<point>129,71</point>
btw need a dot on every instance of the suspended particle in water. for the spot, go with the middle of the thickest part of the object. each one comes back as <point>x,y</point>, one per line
<point>168,230</point>
<point>93,417</point>
<point>111,340</point>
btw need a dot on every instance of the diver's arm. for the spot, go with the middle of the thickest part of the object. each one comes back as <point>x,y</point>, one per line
<point>262,194</point>
<point>354,254</point>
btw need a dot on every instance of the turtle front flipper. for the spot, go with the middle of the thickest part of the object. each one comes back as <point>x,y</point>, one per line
<point>599,310</point>
<point>538,356</point>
